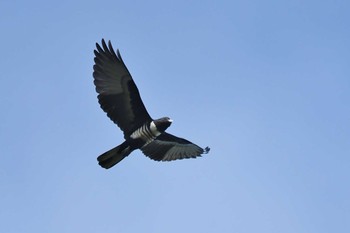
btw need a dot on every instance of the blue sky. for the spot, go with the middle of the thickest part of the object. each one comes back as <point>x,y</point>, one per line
<point>265,84</point>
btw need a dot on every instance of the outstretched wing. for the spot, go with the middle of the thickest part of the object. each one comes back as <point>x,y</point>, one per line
<point>118,94</point>
<point>167,147</point>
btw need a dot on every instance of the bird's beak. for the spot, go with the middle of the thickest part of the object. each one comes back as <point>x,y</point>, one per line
<point>170,120</point>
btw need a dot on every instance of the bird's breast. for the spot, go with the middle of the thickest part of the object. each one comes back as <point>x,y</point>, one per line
<point>147,133</point>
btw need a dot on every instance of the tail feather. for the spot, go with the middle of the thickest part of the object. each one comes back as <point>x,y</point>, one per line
<point>114,156</point>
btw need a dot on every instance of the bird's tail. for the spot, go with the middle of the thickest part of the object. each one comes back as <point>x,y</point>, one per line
<point>114,156</point>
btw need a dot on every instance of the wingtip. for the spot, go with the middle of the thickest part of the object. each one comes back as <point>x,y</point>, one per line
<point>206,150</point>
<point>119,56</point>
<point>110,45</point>
<point>101,48</point>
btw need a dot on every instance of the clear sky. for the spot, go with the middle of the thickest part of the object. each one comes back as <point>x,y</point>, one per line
<point>265,84</point>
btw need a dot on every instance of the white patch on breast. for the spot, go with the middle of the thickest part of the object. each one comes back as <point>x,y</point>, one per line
<point>146,133</point>
<point>154,129</point>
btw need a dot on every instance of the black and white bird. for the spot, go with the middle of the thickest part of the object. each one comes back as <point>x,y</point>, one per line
<point>120,99</point>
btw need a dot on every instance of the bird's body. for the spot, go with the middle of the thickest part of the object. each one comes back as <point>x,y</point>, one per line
<point>120,99</point>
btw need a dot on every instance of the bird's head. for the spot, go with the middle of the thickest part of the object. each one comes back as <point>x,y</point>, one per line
<point>162,123</point>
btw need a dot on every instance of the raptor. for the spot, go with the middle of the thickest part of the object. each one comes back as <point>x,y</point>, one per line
<point>119,97</point>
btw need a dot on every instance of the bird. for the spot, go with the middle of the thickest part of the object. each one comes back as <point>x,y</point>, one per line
<point>119,97</point>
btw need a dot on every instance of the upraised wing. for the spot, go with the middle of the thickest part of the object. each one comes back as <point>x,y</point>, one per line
<point>118,94</point>
<point>167,147</point>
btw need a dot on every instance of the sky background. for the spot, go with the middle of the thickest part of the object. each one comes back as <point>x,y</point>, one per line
<point>265,84</point>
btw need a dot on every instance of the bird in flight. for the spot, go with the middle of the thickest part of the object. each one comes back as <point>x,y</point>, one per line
<point>119,97</point>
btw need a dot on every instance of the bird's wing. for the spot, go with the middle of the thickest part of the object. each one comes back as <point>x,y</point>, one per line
<point>167,147</point>
<point>118,94</point>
